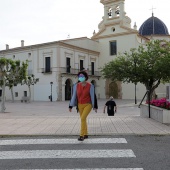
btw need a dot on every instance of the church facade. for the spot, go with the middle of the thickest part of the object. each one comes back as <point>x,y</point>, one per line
<point>56,64</point>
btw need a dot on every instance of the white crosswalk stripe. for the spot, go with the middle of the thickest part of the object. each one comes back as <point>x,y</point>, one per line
<point>65,154</point>
<point>92,169</point>
<point>61,141</point>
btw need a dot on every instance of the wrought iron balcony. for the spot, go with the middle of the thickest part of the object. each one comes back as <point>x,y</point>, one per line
<point>73,71</point>
<point>46,70</point>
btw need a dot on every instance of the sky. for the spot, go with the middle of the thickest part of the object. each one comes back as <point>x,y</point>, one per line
<point>41,21</point>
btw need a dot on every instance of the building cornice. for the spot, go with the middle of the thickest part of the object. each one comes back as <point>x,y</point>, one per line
<point>157,35</point>
<point>103,29</point>
<point>78,48</point>
<point>114,35</point>
<point>130,30</point>
<point>55,43</point>
<point>145,38</point>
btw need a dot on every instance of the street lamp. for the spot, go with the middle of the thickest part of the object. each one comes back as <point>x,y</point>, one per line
<point>149,95</point>
<point>135,81</point>
<point>135,94</point>
<point>51,91</point>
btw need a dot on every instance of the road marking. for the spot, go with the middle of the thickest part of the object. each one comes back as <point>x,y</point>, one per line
<point>36,154</point>
<point>92,169</point>
<point>62,141</point>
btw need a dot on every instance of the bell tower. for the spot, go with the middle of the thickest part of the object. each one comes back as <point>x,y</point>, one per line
<point>113,8</point>
<point>114,13</point>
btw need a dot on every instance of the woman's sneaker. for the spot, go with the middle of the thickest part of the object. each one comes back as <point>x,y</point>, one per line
<point>81,138</point>
<point>86,136</point>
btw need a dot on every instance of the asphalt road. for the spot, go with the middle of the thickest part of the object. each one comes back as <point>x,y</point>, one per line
<point>97,152</point>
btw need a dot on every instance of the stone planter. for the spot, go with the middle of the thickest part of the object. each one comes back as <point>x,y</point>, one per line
<point>156,113</point>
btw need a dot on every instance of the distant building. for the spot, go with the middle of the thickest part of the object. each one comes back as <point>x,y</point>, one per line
<point>60,61</point>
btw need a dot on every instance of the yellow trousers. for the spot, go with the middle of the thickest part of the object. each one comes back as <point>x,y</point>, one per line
<point>84,110</point>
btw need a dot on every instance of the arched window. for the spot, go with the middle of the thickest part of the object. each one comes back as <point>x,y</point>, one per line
<point>110,12</point>
<point>117,11</point>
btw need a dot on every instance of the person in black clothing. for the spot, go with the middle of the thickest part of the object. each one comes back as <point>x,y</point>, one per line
<point>111,107</point>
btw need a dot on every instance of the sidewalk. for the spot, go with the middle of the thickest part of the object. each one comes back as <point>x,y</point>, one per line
<point>53,118</point>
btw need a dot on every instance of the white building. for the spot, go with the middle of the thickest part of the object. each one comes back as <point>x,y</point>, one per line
<point>60,61</point>
<point>56,62</point>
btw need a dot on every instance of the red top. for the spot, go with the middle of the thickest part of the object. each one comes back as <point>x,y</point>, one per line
<point>83,93</point>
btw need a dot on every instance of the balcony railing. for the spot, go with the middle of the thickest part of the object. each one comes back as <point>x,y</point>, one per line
<point>46,70</point>
<point>73,71</point>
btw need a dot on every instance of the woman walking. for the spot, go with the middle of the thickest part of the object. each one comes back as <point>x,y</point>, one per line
<point>84,99</point>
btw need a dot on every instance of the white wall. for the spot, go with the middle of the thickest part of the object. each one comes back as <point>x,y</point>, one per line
<point>42,89</point>
<point>124,43</point>
<point>128,91</point>
<point>83,43</point>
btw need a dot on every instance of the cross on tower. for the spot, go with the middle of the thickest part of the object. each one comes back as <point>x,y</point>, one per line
<point>152,9</point>
<point>153,20</point>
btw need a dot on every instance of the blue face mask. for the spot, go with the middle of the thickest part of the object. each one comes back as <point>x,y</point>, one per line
<point>81,79</point>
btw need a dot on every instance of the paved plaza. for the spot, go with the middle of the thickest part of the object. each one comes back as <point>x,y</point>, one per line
<point>53,118</point>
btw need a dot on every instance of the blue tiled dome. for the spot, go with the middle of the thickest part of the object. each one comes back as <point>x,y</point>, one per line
<point>153,25</point>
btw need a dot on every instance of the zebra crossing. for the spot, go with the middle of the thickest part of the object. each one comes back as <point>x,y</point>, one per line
<point>15,153</point>
<point>93,169</point>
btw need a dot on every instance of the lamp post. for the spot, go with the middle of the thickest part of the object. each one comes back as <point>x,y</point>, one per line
<point>51,99</point>
<point>169,93</point>
<point>135,82</point>
<point>135,94</point>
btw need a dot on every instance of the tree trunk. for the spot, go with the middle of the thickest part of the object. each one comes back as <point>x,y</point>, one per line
<point>3,96</point>
<point>150,88</point>
<point>149,94</point>
<point>29,93</point>
<point>12,94</point>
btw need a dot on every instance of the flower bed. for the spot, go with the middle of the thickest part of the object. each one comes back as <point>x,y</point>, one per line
<point>161,103</point>
<point>159,110</point>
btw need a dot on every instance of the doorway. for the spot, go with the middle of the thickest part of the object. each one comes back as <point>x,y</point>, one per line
<point>113,90</point>
<point>68,85</point>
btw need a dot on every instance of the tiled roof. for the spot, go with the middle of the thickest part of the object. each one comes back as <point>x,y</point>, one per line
<point>153,26</point>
